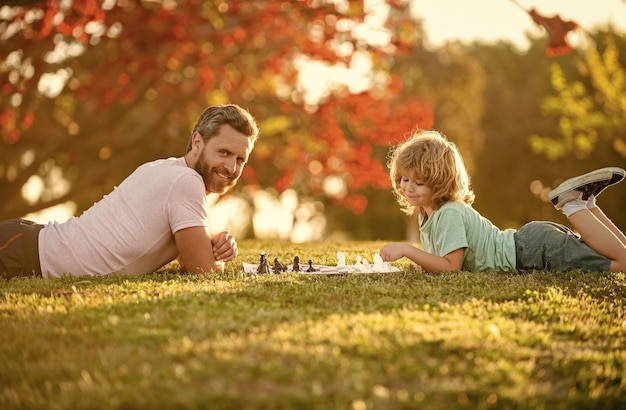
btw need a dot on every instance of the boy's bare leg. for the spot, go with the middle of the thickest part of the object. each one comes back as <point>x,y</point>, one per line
<point>575,197</point>
<point>600,237</point>
<point>609,224</point>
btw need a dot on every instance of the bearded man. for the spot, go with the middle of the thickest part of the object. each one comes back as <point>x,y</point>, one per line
<point>157,214</point>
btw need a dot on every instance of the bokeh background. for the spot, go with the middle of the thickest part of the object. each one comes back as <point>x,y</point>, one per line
<point>532,92</point>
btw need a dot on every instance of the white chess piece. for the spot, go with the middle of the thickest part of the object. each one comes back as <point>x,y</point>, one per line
<point>341,260</point>
<point>359,264</point>
<point>378,263</point>
<point>366,265</point>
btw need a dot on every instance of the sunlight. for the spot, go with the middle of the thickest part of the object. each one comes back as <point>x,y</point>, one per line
<point>286,217</point>
<point>310,222</point>
<point>317,80</point>
<point>231,214</point>
<point>274,214</point>
<point>31,190</point>
<point>51,84</point>
<point>283,216</point>
<point>334,186</point>
<point>59,213</point>
<point>493,20</point>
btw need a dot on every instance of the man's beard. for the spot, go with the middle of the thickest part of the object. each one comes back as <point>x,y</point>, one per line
<point>213,182</point>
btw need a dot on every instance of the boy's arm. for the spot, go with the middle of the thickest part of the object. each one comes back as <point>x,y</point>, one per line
<point>452,261</point>
<point>195,250</point>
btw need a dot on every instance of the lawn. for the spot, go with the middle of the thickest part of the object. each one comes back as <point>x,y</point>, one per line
<point>362,341</point>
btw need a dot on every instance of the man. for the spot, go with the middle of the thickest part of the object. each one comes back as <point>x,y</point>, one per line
<point>157,214</point>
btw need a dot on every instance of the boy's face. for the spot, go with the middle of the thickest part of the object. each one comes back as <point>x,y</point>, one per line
<point>416,192</point>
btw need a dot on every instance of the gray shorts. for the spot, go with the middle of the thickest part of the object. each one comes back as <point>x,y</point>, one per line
<point>550,246</point>
<point>19,248</point>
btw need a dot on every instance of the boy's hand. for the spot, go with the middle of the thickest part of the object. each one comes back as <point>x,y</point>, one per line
<point>392,251</point>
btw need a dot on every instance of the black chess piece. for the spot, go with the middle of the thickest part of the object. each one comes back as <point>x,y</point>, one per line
<point>263,265</point>
<point>296,264</point>
<point>278,267</point>
<point>311,268</point>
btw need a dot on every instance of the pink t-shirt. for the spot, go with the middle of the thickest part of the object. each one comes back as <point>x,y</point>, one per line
<point>131,230</point>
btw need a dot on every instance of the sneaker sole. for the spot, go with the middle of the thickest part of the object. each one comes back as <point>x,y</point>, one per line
<point>611,174</point>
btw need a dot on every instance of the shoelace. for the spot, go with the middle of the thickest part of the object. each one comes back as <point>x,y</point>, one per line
<point>592,188</point>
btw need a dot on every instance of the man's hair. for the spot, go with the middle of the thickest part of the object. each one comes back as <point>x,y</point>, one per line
<point>434,160</point>
<point>212,119</point>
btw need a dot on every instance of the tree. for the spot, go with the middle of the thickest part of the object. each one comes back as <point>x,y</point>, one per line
<point>92,89</point>
<point>450,85</point>
<point>590,109</point>
<point>519,163</point>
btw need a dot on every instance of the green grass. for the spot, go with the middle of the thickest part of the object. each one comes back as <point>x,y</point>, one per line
<point>389,341</point>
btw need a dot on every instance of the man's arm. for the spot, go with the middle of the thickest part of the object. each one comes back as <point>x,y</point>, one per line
<point>195,249</point>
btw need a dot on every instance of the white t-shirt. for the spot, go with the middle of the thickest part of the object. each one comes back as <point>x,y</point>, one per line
<point>131,230</point>
<point>457,225</point>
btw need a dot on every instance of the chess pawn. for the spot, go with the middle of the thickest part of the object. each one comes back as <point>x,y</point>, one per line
<point>296,264</point>
<point>341,260</point>
<point>359,264</point>
<point>366,266</point>
<point>278,267</point>
<point>378,263</point>
<point>263,265</point>
<point>311,268</point>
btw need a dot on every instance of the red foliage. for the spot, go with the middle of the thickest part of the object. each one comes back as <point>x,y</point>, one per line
<point>557,30</point>
<point>147,68</point>
<point>356,203</point>
<point>74,20</point>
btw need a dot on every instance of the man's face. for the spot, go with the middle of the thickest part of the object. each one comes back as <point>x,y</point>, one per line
<point>222,158</point>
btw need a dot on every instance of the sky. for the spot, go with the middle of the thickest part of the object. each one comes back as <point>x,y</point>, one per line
<point>490,20</point>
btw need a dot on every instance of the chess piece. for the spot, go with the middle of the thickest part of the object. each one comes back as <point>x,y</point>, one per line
<point>359,264</point>
<point>263,265</point>
<point>278,267</point>
<point>341,260</point>
<point>311,268</point>
<point>296,264</point>
<point>378,263</point>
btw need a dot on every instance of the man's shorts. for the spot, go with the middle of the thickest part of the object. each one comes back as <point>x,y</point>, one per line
<point>550,246</point>
<point>19,250</point>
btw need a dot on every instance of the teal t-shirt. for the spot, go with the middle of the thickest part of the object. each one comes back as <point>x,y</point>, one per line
<point>457,225</point>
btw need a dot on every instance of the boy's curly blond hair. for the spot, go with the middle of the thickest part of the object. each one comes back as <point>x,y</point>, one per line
<point>430,157</point>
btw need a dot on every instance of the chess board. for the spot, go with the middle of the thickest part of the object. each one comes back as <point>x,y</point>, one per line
<point>251,268</point>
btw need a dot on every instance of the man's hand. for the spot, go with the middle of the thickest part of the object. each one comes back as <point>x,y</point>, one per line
<point>197,250</point>
<point>224,247</point>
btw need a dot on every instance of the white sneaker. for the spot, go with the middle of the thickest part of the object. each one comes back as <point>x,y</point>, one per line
<point>583,186</point>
